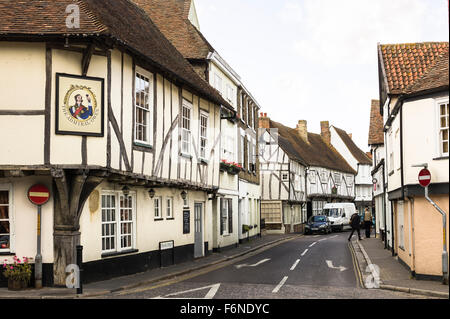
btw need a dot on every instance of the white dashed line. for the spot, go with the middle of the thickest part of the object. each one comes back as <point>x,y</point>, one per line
<point>313,244</point>
<point>295,264</point>
<point>277,288</point>
<point>303,253</point>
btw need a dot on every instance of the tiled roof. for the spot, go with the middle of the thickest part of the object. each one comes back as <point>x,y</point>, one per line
<point>435,77</point>
<point>120,20</point>
<point>404,63</point>
<point>376,135</point>
<point>357,153</point>
<point>314,153</point>
<point>171,17</point>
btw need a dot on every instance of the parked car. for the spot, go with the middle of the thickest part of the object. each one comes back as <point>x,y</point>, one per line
<point>319,223</point>
<point>339,214</point>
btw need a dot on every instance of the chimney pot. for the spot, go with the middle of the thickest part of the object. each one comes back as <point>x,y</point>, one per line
<point>264,121</point>
<point>302,130</point>
<point>325,132</point>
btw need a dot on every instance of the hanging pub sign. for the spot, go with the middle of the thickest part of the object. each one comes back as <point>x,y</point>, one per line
<point>79,105</point>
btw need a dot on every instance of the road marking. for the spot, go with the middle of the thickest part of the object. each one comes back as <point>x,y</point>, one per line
<point>303,253</point>
<point>313,244</point>
<point>323,239</point>
<point>280,285</point>
<point>330,265</point>
<point>334,236</point>
<point>254,265</point>
<point>295,264</point>
<point>211,293</point>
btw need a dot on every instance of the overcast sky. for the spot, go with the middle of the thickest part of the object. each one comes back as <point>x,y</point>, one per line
<point>316,60</point>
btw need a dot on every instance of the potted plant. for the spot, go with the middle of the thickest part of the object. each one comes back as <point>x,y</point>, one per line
<point>230,167</point>
<point>18,273</point>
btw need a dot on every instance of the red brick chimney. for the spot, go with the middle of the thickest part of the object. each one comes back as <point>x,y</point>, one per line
<point>325,132</point>
<point>264,121</point>
<point>302,130</point>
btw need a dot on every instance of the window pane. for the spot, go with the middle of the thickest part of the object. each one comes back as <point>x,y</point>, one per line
<point>445,147</point>
<point>4,212</point>
<point>3,197</point>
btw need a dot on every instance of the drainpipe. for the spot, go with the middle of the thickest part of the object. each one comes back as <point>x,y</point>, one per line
<point>412,237</point>
<point>401,151</point>
<point>384,210</point>
<point>392,228</point>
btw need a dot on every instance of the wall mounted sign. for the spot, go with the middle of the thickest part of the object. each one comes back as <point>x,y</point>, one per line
<point>79,105</point>
<point>186,221</point>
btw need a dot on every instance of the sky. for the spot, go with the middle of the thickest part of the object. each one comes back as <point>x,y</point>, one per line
<point>316,60</point>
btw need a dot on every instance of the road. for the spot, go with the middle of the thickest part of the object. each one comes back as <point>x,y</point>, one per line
<point>309,267</point>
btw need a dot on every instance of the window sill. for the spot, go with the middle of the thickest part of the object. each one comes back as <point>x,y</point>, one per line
<point>142,147</point>
<point>391,173</point>
<point>440,158</point>
<point>203,161</point>
<point>158,219</point>
<point>186,155</point>
<point>7,253</point>
<point>124,252</point>
<point>170,218</point>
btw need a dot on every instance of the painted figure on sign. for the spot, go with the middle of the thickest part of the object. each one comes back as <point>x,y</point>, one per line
<point>79,111</point>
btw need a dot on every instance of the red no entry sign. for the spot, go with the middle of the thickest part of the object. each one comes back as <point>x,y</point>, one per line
<point>424,177</point>
<point>38,194</point>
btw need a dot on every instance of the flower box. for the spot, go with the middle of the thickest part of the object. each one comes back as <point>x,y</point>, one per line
<point>230,167</point>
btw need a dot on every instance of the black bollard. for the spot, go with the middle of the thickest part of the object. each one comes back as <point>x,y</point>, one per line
<point>80,265</point>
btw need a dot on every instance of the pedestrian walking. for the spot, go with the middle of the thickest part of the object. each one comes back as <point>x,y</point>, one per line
<point>355,223</point>
<point>367,221</point>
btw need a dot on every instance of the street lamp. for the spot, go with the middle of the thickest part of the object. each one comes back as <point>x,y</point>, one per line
<point>125,190</point>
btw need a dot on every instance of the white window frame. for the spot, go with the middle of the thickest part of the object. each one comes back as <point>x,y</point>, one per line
<point>228,146</point>
<point>9,189</point>
<point>118,222</point>
<point>169,207</point>
<point>224,217</point>
<point>204,119</point>
<point>186,127</point>
<point>148,139</point>
<point>218,83</point>
<point>337,178</point>
<point>157,207</point>
<point>440,129</point>
<point>312,176</point>
<point>284,179</point>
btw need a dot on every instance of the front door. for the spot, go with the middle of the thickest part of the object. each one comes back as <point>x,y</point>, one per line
<point>198,230</point>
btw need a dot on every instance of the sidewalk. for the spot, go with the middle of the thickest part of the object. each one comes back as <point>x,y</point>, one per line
<point>154,275</point>
<point>393,275</point>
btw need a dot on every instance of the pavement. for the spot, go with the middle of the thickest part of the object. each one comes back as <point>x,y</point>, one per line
<point>102,288</point>
<point>388,273</point>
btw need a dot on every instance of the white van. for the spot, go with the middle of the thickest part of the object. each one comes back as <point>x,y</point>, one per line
<point>339,214</point>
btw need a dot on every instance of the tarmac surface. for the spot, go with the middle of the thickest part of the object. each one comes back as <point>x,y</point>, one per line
<point>388,274</point>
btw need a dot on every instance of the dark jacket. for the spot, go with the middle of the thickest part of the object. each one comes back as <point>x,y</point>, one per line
<point>355,221</point>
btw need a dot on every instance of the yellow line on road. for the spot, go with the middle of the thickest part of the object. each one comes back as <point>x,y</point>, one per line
<point>358,275</point>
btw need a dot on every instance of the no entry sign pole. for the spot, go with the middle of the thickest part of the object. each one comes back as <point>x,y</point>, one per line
<point>424,181</point>
<point>38,195</point>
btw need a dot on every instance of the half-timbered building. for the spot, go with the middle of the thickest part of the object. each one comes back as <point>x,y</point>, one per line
<point>358,160</point>
<point>101,108</point>
<point>300,172</point>
<point>237,207</point>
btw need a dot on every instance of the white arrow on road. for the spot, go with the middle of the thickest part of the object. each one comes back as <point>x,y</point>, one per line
<point>211,293</point>
<point>330,265</point>
<point>254,265</point>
